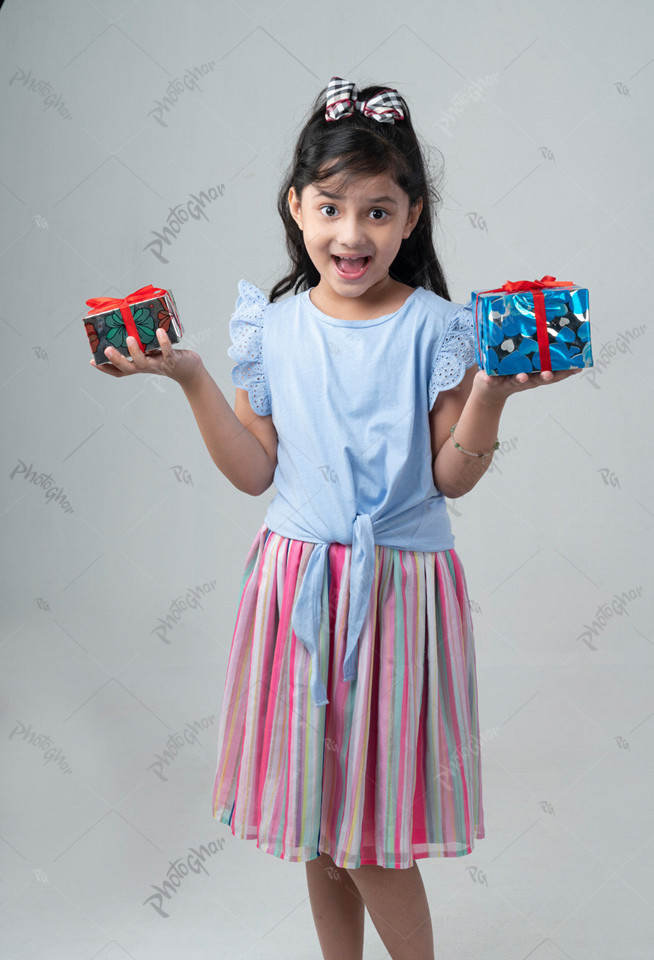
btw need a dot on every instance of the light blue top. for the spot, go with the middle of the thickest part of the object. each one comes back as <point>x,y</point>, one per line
<point>350,401</point>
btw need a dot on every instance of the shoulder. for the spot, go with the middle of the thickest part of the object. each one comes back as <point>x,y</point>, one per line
<point>246,328</point>
<point>253,304</point>
<point>435,321</point>
<point>440,309</point>
<point>455,348</point>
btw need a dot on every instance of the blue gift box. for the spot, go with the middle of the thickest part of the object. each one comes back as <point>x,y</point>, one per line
<point>526,326</point>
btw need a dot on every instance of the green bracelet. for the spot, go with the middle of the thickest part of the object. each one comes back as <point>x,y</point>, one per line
<point>469,452</point>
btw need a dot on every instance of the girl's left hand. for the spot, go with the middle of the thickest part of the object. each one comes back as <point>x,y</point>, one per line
<point>501,387</point>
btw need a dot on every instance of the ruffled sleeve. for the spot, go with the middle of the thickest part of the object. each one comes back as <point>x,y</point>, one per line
<point>246,331</point>
<point>456,352</point>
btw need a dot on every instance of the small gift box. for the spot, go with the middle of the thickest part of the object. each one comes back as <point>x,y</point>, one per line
<point>111,321</point>
<point>526,326</point>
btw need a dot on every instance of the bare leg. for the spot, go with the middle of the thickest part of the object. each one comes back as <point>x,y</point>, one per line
<point>338,909</point>
<point>398,907</point>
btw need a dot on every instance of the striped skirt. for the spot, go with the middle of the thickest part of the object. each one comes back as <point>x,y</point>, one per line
<point>389,771</point>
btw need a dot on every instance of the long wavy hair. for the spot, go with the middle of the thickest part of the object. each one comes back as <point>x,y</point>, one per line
<point>354,146</point>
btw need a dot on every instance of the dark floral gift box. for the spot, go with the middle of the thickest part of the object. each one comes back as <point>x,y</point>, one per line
<point>111,321</point>
<point>530,325</point>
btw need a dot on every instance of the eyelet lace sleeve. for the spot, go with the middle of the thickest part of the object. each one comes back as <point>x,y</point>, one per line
<point>246,331</point>
<point>457,351</point>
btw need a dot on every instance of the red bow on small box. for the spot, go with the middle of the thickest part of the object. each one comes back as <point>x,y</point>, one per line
<point>104,304</point>
<point>536,287</point>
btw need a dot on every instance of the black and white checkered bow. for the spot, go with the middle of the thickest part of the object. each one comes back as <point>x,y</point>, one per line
<point>342,101</point>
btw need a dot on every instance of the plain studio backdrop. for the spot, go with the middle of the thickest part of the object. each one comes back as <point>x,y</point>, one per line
<point>143,142</point>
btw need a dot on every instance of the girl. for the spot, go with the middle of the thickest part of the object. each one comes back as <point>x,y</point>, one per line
<point>349,730</point>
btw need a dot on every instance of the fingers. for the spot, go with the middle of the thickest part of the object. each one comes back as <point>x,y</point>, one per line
<point>548,376</point>
<point>137,355</point>
<point>533,379</point>
<point>166,348</point>
<point>508,384</point>
<point>106,368</point>
<point>164,342</point>
<point>545,376</point>
<point>120,365</point>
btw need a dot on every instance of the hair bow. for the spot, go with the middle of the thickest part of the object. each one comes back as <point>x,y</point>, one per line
<point>342,101</point>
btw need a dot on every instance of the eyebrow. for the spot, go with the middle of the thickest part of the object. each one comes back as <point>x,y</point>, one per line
<point>338,196</point>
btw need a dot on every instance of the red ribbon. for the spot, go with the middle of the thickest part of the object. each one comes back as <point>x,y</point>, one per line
<point>536,288</point>
<point>104,304</point>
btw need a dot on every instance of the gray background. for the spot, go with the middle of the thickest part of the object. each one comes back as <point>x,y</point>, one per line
<point>542,113</point>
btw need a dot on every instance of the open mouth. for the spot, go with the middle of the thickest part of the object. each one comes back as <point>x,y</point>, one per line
<point>351,267</point>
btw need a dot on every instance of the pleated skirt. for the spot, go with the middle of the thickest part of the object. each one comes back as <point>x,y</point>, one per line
<point>387,772</point>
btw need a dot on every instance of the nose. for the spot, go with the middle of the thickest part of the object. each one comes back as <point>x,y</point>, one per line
<point>350,231</point>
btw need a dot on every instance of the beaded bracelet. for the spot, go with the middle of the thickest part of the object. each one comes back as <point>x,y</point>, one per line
<point>470,454</point>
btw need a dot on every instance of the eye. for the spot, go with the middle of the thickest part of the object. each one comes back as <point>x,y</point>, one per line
<point>330,205</point>
<point>379,210</point>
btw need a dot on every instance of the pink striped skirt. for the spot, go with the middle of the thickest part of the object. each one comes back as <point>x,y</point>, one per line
<point>389,771</point>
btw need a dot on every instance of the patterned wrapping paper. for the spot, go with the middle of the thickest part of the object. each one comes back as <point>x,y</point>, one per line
<point>110,321</point>
<point>526,326</point>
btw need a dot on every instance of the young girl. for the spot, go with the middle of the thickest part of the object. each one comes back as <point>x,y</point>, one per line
<point>349,733</point>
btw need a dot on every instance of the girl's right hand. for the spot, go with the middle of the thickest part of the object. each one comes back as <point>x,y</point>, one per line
<point>179,365</point>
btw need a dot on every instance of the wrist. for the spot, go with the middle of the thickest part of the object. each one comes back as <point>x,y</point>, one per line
<point>193,377</point>
<point>483,456</point>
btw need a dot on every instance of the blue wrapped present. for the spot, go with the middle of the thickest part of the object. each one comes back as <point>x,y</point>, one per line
<point>530,325</point>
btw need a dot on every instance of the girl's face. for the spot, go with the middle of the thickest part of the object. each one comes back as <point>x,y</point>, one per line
<point>364,223</point>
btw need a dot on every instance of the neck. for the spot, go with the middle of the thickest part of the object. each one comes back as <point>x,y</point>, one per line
<point>377,299</point>
<point>366,307</point>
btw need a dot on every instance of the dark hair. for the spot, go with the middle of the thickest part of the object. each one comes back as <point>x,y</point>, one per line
<point>354,146</point>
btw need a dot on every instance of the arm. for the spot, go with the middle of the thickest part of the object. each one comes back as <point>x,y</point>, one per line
<point>476,406</point>
<point>477,417</point>
<point>242,444</point>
